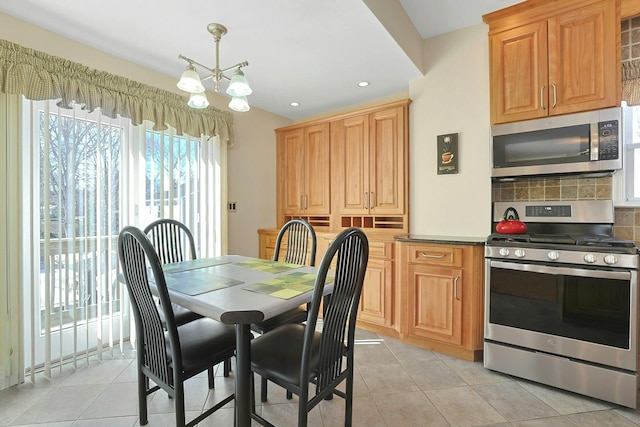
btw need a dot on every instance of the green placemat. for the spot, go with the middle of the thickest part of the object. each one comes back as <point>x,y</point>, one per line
<point>287,286</point>
<point>267,265</point>
<point>192,265</point>
<point>197,282</point>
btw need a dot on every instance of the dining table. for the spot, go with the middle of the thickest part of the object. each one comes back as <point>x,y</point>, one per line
<point>239,290</point>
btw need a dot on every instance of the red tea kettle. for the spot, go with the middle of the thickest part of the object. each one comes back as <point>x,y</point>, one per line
<point>511,223</point>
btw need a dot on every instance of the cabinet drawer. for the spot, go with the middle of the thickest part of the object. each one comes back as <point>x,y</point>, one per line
<point>271,239</point>
<point>383,250</point>
<point>435,255</point>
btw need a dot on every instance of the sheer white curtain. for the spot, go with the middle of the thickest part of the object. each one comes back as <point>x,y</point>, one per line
<point>86,176</point>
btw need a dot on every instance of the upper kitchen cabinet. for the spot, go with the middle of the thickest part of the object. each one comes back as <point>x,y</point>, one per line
<point>369,153</point>
<point>303,173</point>
<point>548,58</point>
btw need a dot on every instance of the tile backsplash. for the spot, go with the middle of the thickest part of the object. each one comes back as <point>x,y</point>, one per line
<point>627,220</point>
<point>553,188</point>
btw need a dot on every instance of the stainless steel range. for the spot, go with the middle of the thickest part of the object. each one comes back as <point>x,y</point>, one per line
<point>561,301</point>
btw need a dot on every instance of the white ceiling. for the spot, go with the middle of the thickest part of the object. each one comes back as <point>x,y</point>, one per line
<point>310,51</point>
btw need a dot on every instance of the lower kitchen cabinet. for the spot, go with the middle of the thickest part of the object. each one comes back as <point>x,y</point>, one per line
<point>421,291</point>
<point>442,297</point>
<point>377,310</point>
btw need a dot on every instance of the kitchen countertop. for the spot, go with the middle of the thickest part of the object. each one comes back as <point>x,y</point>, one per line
<point>450,240</point>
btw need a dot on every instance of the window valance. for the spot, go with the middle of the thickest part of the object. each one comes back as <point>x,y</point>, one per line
<point>40,76</point>
<point>631,82</point>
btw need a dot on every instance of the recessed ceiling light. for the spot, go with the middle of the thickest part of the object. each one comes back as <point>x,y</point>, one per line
<point>295,104</point>
<point>363,84</point>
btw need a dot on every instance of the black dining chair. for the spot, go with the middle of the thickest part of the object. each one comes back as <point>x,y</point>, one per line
<point>167,354</point>
<point>312,363</point>
<point>174,242</point>
<point>301,244</point>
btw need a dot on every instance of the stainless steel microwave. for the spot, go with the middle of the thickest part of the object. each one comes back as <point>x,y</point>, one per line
<point>572,143</point>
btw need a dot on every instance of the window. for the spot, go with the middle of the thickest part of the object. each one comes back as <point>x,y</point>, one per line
<point>627,181</point>
<point>91,175</point>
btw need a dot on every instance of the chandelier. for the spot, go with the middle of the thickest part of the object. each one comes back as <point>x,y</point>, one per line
<point>191,82</point>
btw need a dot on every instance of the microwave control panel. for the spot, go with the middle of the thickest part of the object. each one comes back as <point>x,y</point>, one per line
<point>608,140</point>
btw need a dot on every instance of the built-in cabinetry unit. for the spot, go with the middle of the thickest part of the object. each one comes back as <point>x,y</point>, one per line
<point>349,170</point>
<point>441,288</point>
<point>553,57</point>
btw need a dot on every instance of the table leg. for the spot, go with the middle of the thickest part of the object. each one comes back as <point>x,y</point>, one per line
<point>243,375</point>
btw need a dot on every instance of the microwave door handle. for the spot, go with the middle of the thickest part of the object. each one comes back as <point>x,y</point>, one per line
<point>535,268</point>
<point>595,139</point>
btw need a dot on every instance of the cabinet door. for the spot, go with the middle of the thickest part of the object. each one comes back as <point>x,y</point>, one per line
<point>519,73</point>
<point>376,301</point>
<point>386,153</point>
<point>294,171</point>
<point>351,164</point>
<point>584,59</point>
<point>435,303</point>
<point>317,193</point>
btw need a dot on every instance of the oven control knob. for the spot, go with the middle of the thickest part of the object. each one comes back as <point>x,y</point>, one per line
<point>590,258</point>
<point>504,252</point>
<point>520,253</point>
<point>553,255</point>
<point>610,259</point>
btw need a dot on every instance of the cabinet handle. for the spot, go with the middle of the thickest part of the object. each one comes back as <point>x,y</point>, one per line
<point>432,256</point>
<point>302,202</point>
<point>365,199</point>
<point>542,97</point>
<point>372,200</point>
<point>455,288</point>
<point>306,201</point>
<point>555,96</point>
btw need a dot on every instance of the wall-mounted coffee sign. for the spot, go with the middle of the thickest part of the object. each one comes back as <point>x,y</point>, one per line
<point>448,153</point>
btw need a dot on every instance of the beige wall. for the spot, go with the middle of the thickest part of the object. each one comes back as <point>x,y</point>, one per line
<point>452,97</point>
<point>251,160</point>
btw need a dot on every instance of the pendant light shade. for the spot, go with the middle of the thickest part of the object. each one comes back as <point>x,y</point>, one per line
<point>190,81</point>
<point>198,100</point>
<point>239,85</point>
<point>239,104</point>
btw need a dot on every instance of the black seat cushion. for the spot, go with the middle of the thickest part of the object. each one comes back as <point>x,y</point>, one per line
<point>203,341</point>
<point>277,354</point>
<point>297,315</point>
<point>180,314</point>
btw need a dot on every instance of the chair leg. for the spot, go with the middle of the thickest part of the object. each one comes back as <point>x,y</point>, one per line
<point>179,405</point>
<point>227,367</point>
<point>210,374</point>
<point>253,395</point>
<point>348,409</point>
<point>143,382</point>
<point>263,389</point>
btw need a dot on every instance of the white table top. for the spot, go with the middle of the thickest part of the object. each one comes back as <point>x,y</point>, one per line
<point>235,304</point>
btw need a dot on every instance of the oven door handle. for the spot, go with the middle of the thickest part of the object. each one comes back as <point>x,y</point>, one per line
<point>535,268</point>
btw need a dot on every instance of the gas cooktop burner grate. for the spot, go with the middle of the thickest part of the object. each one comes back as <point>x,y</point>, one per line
<point>596,241</point>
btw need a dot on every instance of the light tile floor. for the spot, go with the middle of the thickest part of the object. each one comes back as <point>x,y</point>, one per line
<point>396,385</point>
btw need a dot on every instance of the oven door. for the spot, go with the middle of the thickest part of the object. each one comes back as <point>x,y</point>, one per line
<point>575,312</point>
